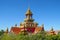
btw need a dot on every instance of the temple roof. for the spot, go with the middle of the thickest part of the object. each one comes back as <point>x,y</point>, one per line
<point>15,30</point>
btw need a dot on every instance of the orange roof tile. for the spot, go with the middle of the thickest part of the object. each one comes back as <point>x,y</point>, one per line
<point>15,30</point>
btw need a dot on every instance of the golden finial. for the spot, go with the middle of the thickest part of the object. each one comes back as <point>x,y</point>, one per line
<point>28,4</point>
<point>28,12</point>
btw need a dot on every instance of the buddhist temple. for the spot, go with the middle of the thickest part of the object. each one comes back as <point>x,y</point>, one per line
<point>28,26</point>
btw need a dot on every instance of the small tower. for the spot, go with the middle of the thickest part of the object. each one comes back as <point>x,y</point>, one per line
<point>51,29</point>
<point>52,32</point>
<point>29,16</point>
<point>6,31</point>
<point>42,27</point>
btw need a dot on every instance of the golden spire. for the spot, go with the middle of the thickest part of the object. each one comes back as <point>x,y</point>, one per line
<point>28,12</point>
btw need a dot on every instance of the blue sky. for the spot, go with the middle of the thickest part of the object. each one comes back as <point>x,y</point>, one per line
<point>45,12</point>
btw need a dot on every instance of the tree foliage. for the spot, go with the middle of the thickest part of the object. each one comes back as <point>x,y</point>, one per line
<point>1,32</point>
<point>39,36</point>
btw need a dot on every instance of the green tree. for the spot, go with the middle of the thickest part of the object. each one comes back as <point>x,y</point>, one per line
<point>1,32</point>
<point>52,37</point>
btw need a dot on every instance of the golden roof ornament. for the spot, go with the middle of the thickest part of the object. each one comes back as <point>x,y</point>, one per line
<point>28,12</point>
